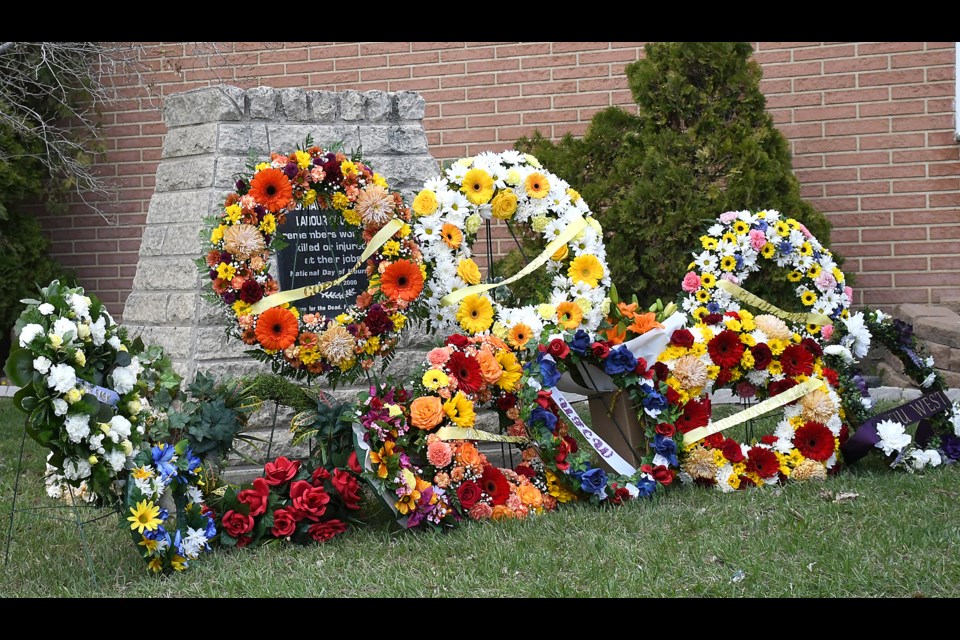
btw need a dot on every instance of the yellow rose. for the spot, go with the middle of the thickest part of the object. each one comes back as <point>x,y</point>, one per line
<point>425,203</point>
<point>468,270</point>
<point>80,358</point>
<point>93,460</point>
<point>55,340</point>
<point>504,205</point>
<point>560,253</point>
<point>73,396</point>
<point>546,311</point>
<point>127,447</point>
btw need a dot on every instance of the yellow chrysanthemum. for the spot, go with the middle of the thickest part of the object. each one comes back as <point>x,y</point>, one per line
<point>348,168</point>
<point>308,355</point>
<point>303,159</point>
<point>404,230</point>
<point>380,181</point>
<point>460,410</point>
<point>373,345</point>
<point>574,195</point>
<point>217,234</point>
<point>425,203</point>
<point>241,308</point>
<point>226,271</point>
<point>537,186</point>
<point>776,346</point>
<point>504,205</point>
<point>144,516</point>
<point>309,197</point>
<point>268,224</point>
<point>352,217</point>
<point>713,371</point>
<point>435,379</point>
<point>698,349</point>
<point>539,223</point>
<point>733,324</point>
<point>586,268</point>
<point>475,314</point>
<point>340,201</point>
<point>260,166</point>
<point>391,249</point>
<point>478,186</point>
<point>558,490</point>
<point>398,321</point>
<point>234,213</point>
<point>512,371</point>
<point>837,274</point>
<point>748,340</point>
<point>775,368</point>
<point>746,360</point>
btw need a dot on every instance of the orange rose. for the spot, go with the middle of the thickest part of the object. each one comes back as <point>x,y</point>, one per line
<point>501,511</point>
<point>490,369</point>
<point>530,496</point>
<point>468,455</point>
<point>426,412</point>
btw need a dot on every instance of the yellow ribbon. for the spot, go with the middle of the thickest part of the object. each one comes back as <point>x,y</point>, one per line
<point>459,433</point>
<point>745,296</point>
<point>577,225</point>
<point>305,292</point>
<point>791,394</point>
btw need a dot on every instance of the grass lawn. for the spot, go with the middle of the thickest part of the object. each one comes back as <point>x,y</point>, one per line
<point>897,538</point>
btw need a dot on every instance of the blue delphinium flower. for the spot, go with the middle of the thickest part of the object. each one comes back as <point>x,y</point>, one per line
<point>163,460</point>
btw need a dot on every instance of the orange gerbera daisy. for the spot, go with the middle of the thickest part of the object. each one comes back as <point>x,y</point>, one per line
<point>271,188</point>
<point>519,335</point>
<point>451,235</point>
<point>569,314</point>
<point>537,186</point>
<point>402,280</point>
<point>277,328</point>
<point>643,322</point>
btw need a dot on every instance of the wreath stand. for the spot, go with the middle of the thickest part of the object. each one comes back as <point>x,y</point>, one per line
<point>53,513</point>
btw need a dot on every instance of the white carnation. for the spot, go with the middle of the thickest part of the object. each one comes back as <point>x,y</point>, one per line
<point>60,407</point>
<point>98,331</point>
<point>893,437</point>
<point>96,443</point>
<point>124,378</point>
<point>78,427</point>
<point>42,365</point>
<point>46,309</point>
<point>80,305</point>
<point>29,333</point>
<point>116,459</point>
<point>62,378</point>
<point>858,336</point>
<point>76,469</point>
<point>119,428</point>
<point>63,326</point>
<point>114,341</point>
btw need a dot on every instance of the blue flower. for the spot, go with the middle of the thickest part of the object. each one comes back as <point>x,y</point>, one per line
<point>580,342</point>
<point>619,361</point>
<point>157,534</point>
<point>594,481</point>
<point>762,225</point>
<point>785,248</point>
<point>667,448</point>
<point>542,415</point>
<point>178,543</point>
<point>739,261</point>
<point>163,460</point>
<point>654,402</point>
<point>548,373</point>
<point>646,487</point>
<point>211,527</point>
<point>193,461</point>
<point>713,307</point>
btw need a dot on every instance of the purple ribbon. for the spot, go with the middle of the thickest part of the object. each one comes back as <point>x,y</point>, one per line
<point>863,441</point>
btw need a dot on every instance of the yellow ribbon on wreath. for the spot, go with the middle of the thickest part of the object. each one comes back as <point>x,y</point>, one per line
<point>743,295</point>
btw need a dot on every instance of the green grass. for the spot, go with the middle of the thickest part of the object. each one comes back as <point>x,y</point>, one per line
<point>898,538</point>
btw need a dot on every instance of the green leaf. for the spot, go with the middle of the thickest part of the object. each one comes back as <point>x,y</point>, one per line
<point>19,366</point>
<point>105,413</point>
<point>25,394</point>
<point>123,358</point>
<point>89,404</point>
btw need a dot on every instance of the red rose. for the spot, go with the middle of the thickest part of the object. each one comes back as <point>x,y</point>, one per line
<point>641,367</point>
<point>558,348</point>
<point>243,541</point>
<point>544,399</point>
<point>319,476</point>
<point>731,450</point>
<point>353,463</point>
<point>323,531</point>
<point>768,439</point>
<point>673,396</point>
<point>712,318</point>
<point>572,445</point>
<point>256,497</point>
<point>646,468</point>
<point>600,350</point>
<point>468,493</point>
<point>682,338</point>
<point>560,460</point>
<point>309,502</point>
<point>348,488</point>
<point>714,440</point>
<point>662,370</point>
<point>619,494</point>
<point>284,524</point>
<point>458,341</point>
<point>506,401</point>
<point>236,523</point>
<point>280,470</point>
<point>401,395</point>
<point>762,356</point>
<point>666,429</point>
<point>662,475</point>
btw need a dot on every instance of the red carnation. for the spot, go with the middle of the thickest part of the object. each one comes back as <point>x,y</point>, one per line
<point>844,434</point>
<point>280,470</point>
<point>762,356</point>
<point>779,386</point>
<point>812,346</point>
<point>714,441</point>
<point>725,349</point>
<point>525,470</point>
<point>495,485</point>
<point>323,531</point>
<point>251,291</point>
<point>558,349</point>
<point>696,413</point>
<point>731,450</point>
<point>682,338</point>
<point>506,401</point>
<point>348,488</point>
<point>673,396</point>
<point>814,441</point>
<point>256,497</point>
<point>466,370</point>
<point>768,439</point>
<point>468,493</point>
<point>796,360</point>
<point>284,524</point>
<point>309,502</point>
<point>763,462</point>
<point>746,390</point>
<point>831,377</point>
<point>600,350</point>
<point>662,475</point>
<point>458,341</point>
<point>666,429</point>
<point>236,523</point>
<point>745,483</point>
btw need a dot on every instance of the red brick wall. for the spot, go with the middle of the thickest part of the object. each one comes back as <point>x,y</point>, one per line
<point>871,126</point>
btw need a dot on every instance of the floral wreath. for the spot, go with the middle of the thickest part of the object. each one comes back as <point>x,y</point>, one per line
<point>756,356</point>
<point>849,343</point>
<point>169,522</point>
<point>732,249</point>
<point>80,387</point>
<point>431,481</point>
<point>509,186</point>
<point>243,235</point>
<point>570,470</point>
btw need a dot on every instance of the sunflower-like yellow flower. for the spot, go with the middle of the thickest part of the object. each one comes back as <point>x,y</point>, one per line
<point>348,168</point>
<point>569,315</point>
<point>475,314</point>
<point>460,410</point>
<point>477,186</point>
<point>586,268</point>
<point>144,516</point>
<point>391,249</point>
<point>435,379</point>
<point>512,371</point>
<point>226,271</point>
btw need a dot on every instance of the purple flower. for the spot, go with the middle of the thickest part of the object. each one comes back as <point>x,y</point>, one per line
<point>291,170</point>
<point>241,186</point>
<point>904,330</point>
<point>229,297</point>
<point>951,446</point>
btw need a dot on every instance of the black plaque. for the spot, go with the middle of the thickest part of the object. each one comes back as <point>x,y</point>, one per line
<point>321,247</point>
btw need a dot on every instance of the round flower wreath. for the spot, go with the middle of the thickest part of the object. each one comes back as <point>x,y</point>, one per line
<point>849,343</point>
<point>732,249</point>
<point>243,235</point>
<point>570,471</point>
<point>169,522</point>
<point>756,356</point>
<point>431,482</point>
<point>510,186</point>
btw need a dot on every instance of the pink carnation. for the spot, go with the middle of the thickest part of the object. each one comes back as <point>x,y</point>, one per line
<point>439,356</point>
<point>514,503</point>
<point>730,278</point>
<point>691,282</point>
<point>826,331</point>
<point>439,454</point>
<point>848,291</point>
<point>825,281</point>
<point>805,231</point>
<point>317,174</point>
<point>757,239</point>
<point>481,511</point>
<point>728,217</point>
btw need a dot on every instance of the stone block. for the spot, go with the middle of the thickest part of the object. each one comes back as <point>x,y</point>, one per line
<point>190,173</point>
<point>228,168</point>
<point>176,341</point>
<point>940,353</point>
<point>181,240</point>
<point>214,344</point>
<point>405,173</point>
<point>285,138</point>
<point>165,274</point>
<point>151,242</point>
<point>232,368</point>
<point>950,302</point>
<point>143,308</point>
<point>323,105</point>
<point>913,312</point>
<point>240,139</point>
<point>179,206</point>
<point>261,103</point>
<point>942,329</point>
<point>377,106</point>
<point>351,105</point>
<point>190,140</point>
<point>207,104</point>
<point>410,105</point>
<point>181,308</point>
<point>293,104</point>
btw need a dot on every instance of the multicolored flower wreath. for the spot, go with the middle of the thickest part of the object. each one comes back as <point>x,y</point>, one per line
<point>509,186</point>
<point>243,235</point>
<point>571,472</point>
<point>732,250</point>
<point>169,522</point>
<point>431,481</point>
<point>761,357</point>
<point>851,342</point>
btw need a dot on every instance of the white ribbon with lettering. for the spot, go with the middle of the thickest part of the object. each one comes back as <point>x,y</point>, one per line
<point>606,452</point>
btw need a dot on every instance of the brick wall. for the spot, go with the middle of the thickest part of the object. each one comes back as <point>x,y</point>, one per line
<point>871,126</point>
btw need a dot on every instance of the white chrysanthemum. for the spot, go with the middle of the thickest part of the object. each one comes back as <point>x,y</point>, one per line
<point>29,333</point>
<point>76,469</point>
<point>512,157</point>
<point>722,477</point>
<point>435,184</point>
<point>62,378</point>
<point>918,458</point>
<point>42,365</point>
<point>716,229</point>
<point>116,459</point>
<point>457,172</point>
<point>144,485</point>
<point>77,427</point>
<point>80,305</point>
<point>46,309</point>
<point>858,335</point>
<point>98,332</point>
<point>194,494</point>
<point>758,378</point>
<point>893,437</point>
<point>841,351</point>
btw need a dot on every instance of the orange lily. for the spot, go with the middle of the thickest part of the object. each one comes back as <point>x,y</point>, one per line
<point>643,322</point>
<point>627,310</point>
<point>614,336</point>
<point>380,457</point>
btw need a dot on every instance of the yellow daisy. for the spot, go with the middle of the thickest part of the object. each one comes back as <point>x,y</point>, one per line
<point>478,186</point>
<point>475,314</point>
<point>586,268</point>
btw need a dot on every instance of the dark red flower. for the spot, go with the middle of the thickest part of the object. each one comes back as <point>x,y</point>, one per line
<point>662,475</point>
<point>724,376</point>
<point>712,318</point>
<point>525,470</point>
<point>673,396</point>
<point>466,370</point>
<point>620,494</point>
<point>666,429</point>
<point>815,441</point>
<point>347,486</point>
<point>745,483</point>
<point>458,341</point>
<point>236,523</point>
<point>696,413</point>
<point>280,470</point>
<point>762,356</point>
<point>812,346</point>
<point>831,377</point>
<point>641,369</point>
<point>571,444</point>
<point>725,349</point>
<point>768,439</point>
<point>731,450</point>
<point>378,321</point>
<point>558,349</point>
<point>600,350</point>
<point>763,462</point>
<point>284,524</point>
<point>256,497</point>
<point>682,338</point>
<point>844,434</point>
<point>319,476</point>
<point>714,441</point>
<point>243,541</point>
<point>323,531</point>
<point>661,370</point>
<point>495,485</point>
<point>746,390</point>
<point>796,360</point>
<point>506,401</point>
<point>778,387</point>
<point>468,493</point>
<point>308,502</point>
<point>251,291</point>
<point>544,398</point>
